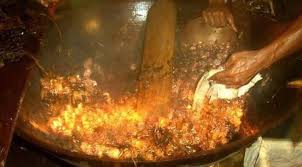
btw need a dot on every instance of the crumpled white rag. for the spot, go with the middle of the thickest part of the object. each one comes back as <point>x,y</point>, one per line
<point>206,88</point>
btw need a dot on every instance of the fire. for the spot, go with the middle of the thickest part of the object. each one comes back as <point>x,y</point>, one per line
<point>102,126</point>
<point>88,118</point>
<point>120,132</point>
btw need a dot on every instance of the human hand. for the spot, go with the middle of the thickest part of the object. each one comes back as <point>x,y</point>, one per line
<point>241,68</point>
<point>219,16</point>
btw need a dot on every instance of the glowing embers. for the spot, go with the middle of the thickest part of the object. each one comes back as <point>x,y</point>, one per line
<point>86,120</point>
<point>118,131</point>
<point>72,88</point>
<point>92,26</point>
<point>96,124</point>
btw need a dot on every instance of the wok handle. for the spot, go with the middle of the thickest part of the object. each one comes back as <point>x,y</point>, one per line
<point>295,84</point>
<point>12,88</point>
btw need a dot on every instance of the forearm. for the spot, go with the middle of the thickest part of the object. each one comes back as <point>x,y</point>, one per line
<point>288,43</point>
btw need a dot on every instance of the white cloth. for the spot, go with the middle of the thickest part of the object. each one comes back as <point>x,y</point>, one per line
<point>206,88</point>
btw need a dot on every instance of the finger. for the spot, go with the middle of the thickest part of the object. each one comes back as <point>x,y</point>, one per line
<point>229,64</point>
<point>235,86</point>
<point>222,19</point>
<point>208,17</point>
<point>205,17</point>
<point>220,76</point>
<point>227,77</point>
<point>237,82</point>
<point>231,22</point>
<point>211,18</point>
<point>216,19</point>
<point>229,81</point>
<point>225,80</point>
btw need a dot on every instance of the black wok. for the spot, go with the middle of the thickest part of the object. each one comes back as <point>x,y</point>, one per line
<point>270,101</point>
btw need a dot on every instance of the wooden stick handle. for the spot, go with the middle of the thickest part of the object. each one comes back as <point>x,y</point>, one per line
<point>156,71</point>
<point>12,88</point>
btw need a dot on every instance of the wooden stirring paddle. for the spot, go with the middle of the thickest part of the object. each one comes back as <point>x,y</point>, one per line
<point>155,82</point>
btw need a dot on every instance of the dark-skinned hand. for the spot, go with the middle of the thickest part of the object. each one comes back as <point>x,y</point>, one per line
<point>240,68</point>
<point>219,16</point>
